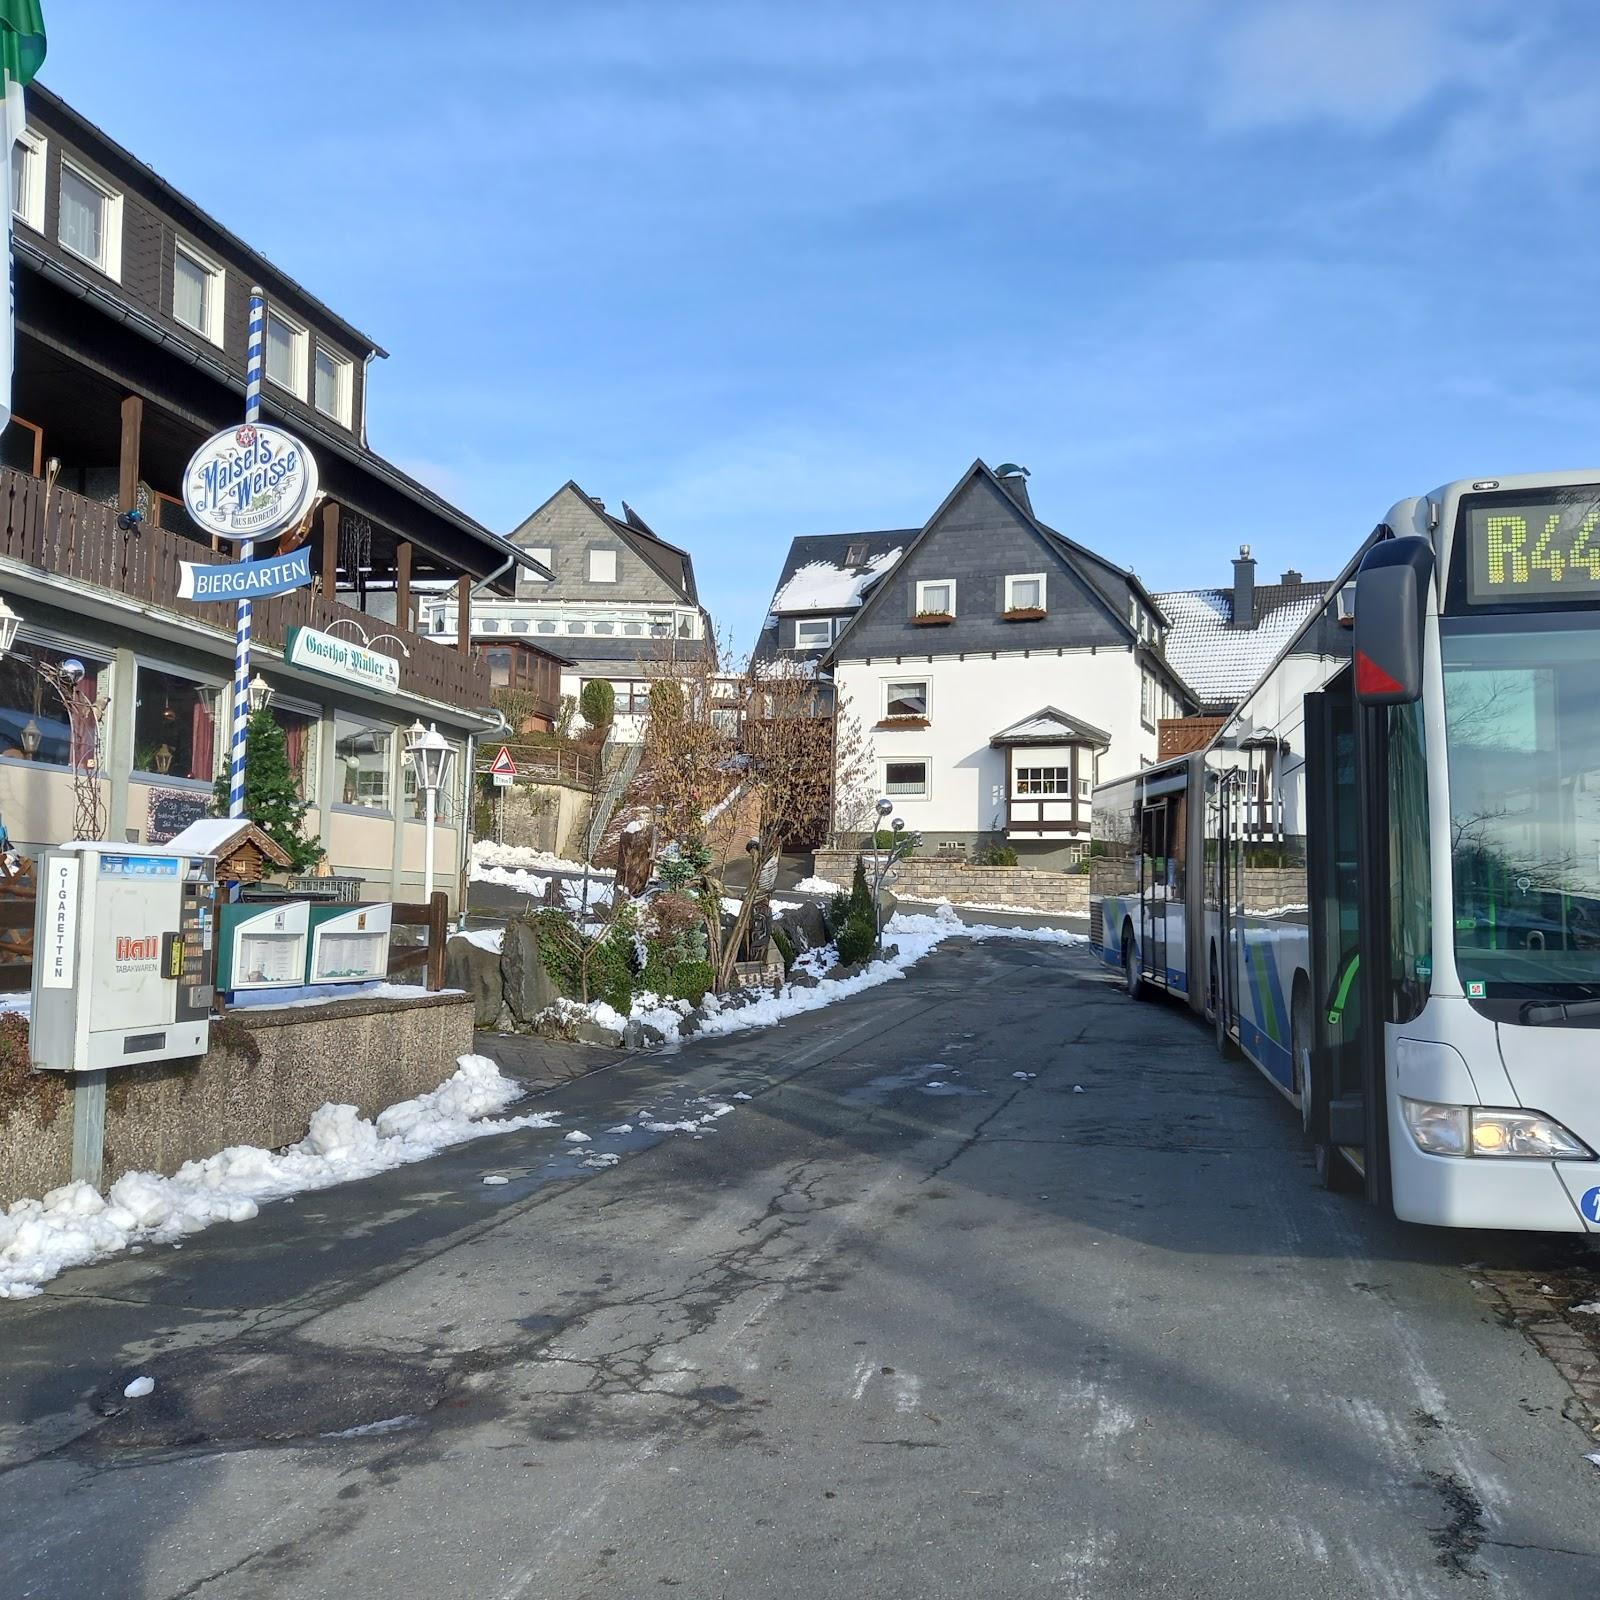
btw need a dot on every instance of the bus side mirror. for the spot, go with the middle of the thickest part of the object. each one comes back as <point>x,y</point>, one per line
<point>1391,600</point>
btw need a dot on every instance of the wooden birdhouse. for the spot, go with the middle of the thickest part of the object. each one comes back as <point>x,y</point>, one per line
<point>244,853</point>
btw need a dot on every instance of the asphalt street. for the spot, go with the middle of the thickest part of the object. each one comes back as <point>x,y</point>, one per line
<point>998,1285</point>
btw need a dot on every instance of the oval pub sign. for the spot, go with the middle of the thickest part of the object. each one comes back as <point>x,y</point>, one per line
<point>250,482</point>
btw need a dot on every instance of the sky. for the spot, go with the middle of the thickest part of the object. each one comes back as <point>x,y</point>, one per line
<point>1215,271</point>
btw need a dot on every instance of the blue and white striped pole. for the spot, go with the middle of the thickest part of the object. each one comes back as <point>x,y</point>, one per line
<point>254,355</point>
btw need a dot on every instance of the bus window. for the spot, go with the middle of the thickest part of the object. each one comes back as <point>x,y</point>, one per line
<point>1410,884</point>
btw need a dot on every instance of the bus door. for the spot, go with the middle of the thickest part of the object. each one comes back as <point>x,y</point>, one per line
<point>1335,831</point>
<point>1154,864</point>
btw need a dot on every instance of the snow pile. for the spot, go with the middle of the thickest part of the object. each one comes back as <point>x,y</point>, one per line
<point>512,857</point>
<point>818,886</point>
<point>915,935</point>
<point>510,878</point>
<point>76,1224</point>
<point>485,938</point>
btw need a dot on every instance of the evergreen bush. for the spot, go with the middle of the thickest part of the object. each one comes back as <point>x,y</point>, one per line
<point>271,798</point>
<point>860,893</point>
<point>855,940</point>
<point>690,980</point>
<point>785,947</point>
<point>598,703</point>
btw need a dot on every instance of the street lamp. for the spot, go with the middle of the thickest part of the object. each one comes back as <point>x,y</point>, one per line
<point>259,693</point>
<point>431,755</point>
<point>901,844</point>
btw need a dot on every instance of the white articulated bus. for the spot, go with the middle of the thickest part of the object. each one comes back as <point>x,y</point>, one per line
<point>1381,879</point>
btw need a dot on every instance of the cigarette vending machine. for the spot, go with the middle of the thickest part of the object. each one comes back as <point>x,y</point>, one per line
<point>121,956</point>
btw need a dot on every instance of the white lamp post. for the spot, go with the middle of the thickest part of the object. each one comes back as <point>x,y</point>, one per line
<point>431,756</point>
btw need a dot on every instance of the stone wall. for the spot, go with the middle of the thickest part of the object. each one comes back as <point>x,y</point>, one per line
<point>923,878</point>
<point>539,816</point>
<point>265,1074</point>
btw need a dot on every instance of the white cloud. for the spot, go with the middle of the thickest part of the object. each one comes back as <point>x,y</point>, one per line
<point>1365,63</point>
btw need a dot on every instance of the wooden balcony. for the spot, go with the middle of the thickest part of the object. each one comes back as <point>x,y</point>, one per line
<point>77,540</point>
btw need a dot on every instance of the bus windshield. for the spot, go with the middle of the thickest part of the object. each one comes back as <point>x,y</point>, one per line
<point>1522,717</point>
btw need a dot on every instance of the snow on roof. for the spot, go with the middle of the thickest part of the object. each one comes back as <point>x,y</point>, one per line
<point>206,835</point>
<point>828,586</point>
<point>1222,663</point>
<point>1051,725</point>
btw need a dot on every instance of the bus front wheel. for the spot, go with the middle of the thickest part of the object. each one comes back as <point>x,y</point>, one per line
<point>1132,978</point>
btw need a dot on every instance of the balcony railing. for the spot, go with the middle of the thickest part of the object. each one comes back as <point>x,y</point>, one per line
<point>78,540</point>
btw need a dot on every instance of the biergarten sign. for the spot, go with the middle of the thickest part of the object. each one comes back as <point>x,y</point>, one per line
<point>339,658</point>
<point>251,481</point>
<point>244,580</point>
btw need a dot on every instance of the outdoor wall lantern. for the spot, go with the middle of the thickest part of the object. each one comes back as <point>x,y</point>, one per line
<point>260,693</point>
<point>163,758</point>
<point>431,757</point>
<point>9,623</point>
<point>30,737</point>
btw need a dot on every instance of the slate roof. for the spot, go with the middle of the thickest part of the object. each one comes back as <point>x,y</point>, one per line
<point>815,580</point>
<point>1222,663</point>
<point>1051,726</point>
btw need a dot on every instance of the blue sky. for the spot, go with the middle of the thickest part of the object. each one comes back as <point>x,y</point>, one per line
<point>1214,270</point>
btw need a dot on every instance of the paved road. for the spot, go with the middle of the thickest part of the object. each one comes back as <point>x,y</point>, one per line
<point>905,1324</point>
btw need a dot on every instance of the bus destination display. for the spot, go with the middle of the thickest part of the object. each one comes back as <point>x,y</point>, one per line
<point>1533,552</point>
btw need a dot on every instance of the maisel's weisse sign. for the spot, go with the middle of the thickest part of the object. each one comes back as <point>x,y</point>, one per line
<point>244,580</point>
<point>250,482</point>
<point>1533,549</point>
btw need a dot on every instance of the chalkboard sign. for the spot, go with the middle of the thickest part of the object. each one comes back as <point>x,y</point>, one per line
<point>172,810</point>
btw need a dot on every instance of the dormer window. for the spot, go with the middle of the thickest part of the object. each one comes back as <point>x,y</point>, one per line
<point>90,224</point>
<point>286,354</point>
<point>331,391</point>
<point>813,633</point>
<point>197,292</point>
<point>856,556</point>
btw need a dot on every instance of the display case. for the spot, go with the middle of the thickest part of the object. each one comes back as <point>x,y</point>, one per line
<point>349,944</point>
<point>263,945</point>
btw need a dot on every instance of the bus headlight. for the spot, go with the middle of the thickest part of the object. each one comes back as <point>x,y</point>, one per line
<point>1437,1130</point>
<point>1527,1134</point>
<point>1491,1131</point>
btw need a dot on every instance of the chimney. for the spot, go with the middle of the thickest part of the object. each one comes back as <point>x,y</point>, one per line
<point>1291,576</point>
<point>1014,480</point>
<point>1244,589</point>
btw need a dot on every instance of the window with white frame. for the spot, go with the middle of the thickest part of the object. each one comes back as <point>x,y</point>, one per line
<point>602,566</point>
<point>331,390</point>
<point>1025,593</point>
<point>906,780</point>
<point>27,179</point>
<point>1044,780</point>
<point>197,290</point>
<point>1145,687</point>
<point>905,697</point>
<point>90,225</point>
<point>1083,788</point>
<point>936,597</point>
<point>813,633</point>
<point>286,353</point>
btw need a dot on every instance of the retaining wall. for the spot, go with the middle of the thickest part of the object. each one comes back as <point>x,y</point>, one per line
<point>926,879</point>
<point>265,1074</point>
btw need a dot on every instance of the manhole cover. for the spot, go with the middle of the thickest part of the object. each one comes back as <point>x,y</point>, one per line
<point>286,1390</point>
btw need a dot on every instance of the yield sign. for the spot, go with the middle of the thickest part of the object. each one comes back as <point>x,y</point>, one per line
<point>503,766</point>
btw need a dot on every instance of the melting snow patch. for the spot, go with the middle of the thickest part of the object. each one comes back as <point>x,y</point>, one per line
<point>139,1388</point>
<point>494,1177</point>
<point>621,1127</point>
<point>601,1158</point>
<point>76,1224</point>
<point>368,1429</point>
<point>1077,1088</point>
<point>1589,1308</point>
<point>575,1137</point>
<point>741,1095</point>
<point>1024,1075</point>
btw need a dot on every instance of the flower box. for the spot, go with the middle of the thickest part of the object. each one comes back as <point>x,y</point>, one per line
<point>902,722</point>
<point>1023,614</point>
<point>932,619</point>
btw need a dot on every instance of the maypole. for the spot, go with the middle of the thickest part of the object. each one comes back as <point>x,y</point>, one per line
<point>254,355</point>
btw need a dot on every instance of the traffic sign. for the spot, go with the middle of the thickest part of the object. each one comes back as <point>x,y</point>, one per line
<point>503,766</point>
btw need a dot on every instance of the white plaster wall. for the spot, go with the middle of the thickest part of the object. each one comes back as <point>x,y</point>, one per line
<point>969,702</point>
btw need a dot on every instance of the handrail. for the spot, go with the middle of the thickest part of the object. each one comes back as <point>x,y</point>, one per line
<point>77,539</point>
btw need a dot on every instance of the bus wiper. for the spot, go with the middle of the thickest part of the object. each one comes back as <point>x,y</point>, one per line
<point>1541,1013</point>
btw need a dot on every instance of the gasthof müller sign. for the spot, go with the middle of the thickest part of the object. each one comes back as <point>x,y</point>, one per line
<point>250,482</point>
